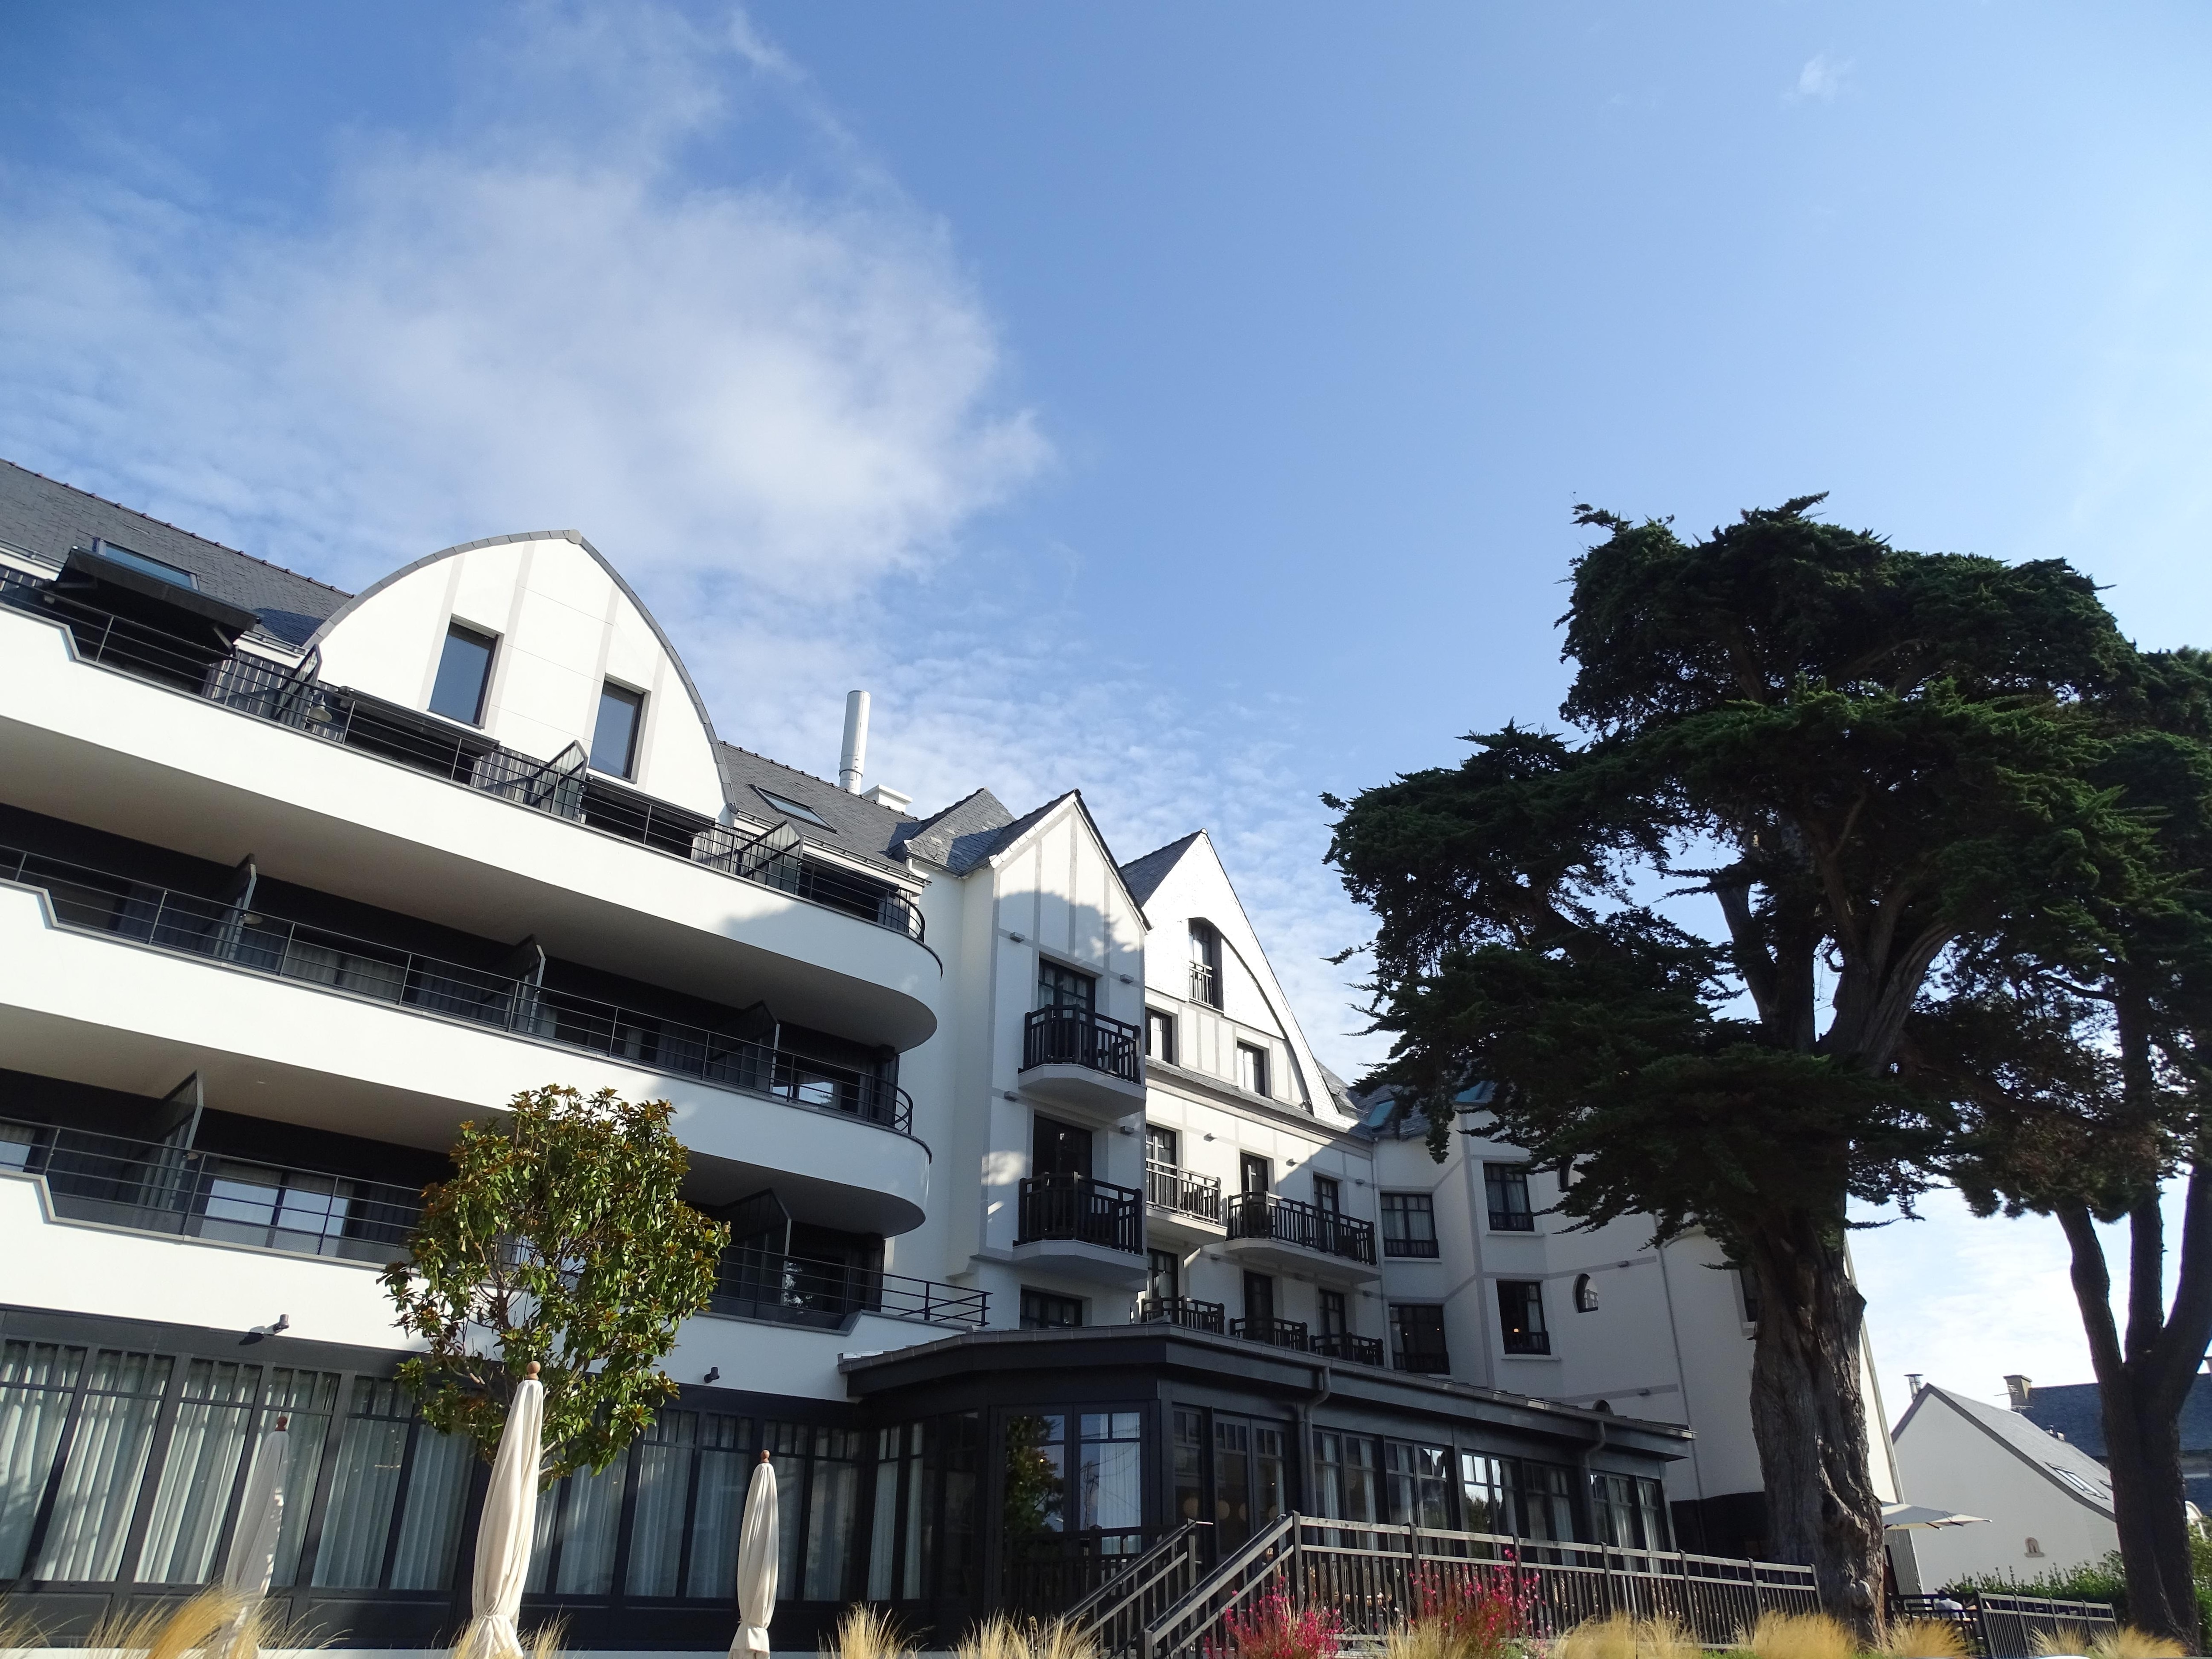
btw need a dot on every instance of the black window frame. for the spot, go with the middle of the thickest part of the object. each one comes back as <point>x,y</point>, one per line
<point>1205,962</point>
<point>615,690</point>
<point>1401,1237</point>
<point>1055,978</point>
<point>1163,1145</point>
<point>1505,1192</point>
<point>1160,1035</point>
<point>1522,1326</point>
<point>1418,1342</point>
<point>1262,1084</point>
<point>1038,1306</point>
<point>471,633</point>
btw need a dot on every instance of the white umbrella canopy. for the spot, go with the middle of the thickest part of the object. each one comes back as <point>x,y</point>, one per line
<point>1896,1517</point>
<point>758,1550</point>
<point>506,1532</point>
<point>251,1562</point>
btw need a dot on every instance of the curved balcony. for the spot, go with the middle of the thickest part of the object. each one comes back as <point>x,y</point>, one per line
<point>1284,1235</point>
<point>336,1048</point>
<point>400,810</point>
<point>1083,1063</point>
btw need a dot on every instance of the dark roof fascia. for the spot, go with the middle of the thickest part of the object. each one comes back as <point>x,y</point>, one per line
<point>95,567</point>
<point>698,703</point>
<point>1019,830</point>
<point>2050,1478</point>
<point>1202,1356</point>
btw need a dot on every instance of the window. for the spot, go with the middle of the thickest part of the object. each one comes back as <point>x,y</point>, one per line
<point>614,739</point>
<point>1585,1293</point>
<point>1749,1287</point>
<point>464,672</point>
<point>1346,1488</point>
<point>1163,1283</point>
<point>1507,1185</point>
<point>1629,1512</point>
<point>1159,1035</point>
<point>791,808</point>
<point>1254,1173</point>
<point>1548,1505</point>
<point>1486,1493</point>
<point>1252,1068</point>
<point>1042,1310</point>
<point>1416,1338</point>
<point>145,566</point>
<point>1066,987</point>
<point>1328,1196</point>
<point>1521,1316</point>
<point>1061,1149</point>
<point>1335,1320</point>
<point>1204,965</point>
<point>1259,1300</point>
<point>1163,1145</point>
<point>1418,1481</point>
<point>1068,1473</point>
<point>1409,1224</point>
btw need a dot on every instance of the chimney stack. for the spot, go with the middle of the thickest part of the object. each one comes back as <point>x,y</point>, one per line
<point>853,761</point>
<point>1912,1381</point>
<point>2019,1388</point>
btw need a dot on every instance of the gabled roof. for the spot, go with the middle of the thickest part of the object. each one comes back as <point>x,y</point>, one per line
<point>47,518</point>
<point>858,828</point>
<point>2076,1413</point>
<point>959,837</point>
<point>2068,1468</point>
<point>1146,873</point>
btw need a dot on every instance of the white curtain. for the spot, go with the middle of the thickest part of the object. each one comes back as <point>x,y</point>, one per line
<point>37,1381</point>
<point>106,1461</point>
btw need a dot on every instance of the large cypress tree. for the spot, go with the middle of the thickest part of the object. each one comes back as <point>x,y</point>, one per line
<point>1854,757</point>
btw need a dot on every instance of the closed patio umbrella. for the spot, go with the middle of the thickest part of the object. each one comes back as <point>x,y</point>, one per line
<point>1897,1517</point>
<point>251,1562</point>
<point>505,1534</point>
<point>757,1552</point>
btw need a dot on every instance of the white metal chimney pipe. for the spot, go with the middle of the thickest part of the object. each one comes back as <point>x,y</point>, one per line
<point>854,759</point>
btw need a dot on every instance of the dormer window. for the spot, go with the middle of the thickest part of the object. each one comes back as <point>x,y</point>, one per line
<point>1204,965</point>
<point>463,673</point>
<point>791,808</point>
<point>614,738</point>
<point>144,565</point>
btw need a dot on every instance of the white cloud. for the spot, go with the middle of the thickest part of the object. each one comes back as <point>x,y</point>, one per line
<point>1822,77</point>
<point>543,324</point>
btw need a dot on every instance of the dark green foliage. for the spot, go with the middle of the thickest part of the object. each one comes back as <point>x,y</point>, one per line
<point>561,1239</point>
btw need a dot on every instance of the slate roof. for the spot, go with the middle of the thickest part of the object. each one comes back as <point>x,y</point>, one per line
<point>2054,1458</point>
<point>858,828</point>
<point>47,518</point>
<point>2075,1410</point>
<point>959,837</point>
<point>1144,874</point>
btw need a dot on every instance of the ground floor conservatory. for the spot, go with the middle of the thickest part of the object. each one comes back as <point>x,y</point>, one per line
<point>993,1469</point>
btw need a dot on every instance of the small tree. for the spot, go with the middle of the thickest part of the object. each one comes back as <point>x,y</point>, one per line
<point>561,1239</point>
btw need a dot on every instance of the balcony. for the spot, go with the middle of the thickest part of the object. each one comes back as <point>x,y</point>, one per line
<point>1343,1346</point>
<point>1423,1360</point>
<point>1083,1063</point>
<point>1286,1236</point>
<point>1087,1229</point>
<point>96,901</point>
<point>1186,1311</point>
<point>1183,1208</point>
<point>152,1188</point>
<point>220,755</point>
<point>789,1289</point>
<point>1274,1333</point>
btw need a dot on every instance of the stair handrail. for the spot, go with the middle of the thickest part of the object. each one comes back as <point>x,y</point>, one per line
<point>1140,1574</point>
<point>1159,1639</point>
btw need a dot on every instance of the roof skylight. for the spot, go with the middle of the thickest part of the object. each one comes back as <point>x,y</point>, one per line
<point>139,561</point>
<point>791,808</point>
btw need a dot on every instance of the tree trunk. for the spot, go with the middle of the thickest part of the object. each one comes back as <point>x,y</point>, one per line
<point>1808,1416</point>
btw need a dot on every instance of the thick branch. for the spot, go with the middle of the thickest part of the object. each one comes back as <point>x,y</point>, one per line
<point>2188,1326</point>
<point>2092,1290</point>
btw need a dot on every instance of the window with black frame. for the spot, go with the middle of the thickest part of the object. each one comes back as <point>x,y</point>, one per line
<point>1044,1310</point>
<point>1160,1035</point>
<point>1487,1494</point>
<point>1074,1490</point>
<point>464,674</point>
<point>1417,1480</point>
<point>1521,1316</point>
<point>1066,989</point>
<point>614,735</point>
<point>1506,1186</point>
<point>1348,1481</point>
<point>1546,1507</point>
<point>1416,1338</point>
<point>1409,1224</point>
<point>1629,1512</point>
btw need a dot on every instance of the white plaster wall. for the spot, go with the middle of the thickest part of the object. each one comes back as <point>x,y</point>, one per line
<point>564,627</point>
<point>1947,1462</point>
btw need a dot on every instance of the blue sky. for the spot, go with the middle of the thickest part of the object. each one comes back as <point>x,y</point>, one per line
<point>1181,403</point>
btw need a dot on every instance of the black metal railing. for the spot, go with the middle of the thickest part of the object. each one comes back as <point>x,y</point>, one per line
<point>1168,1188</point>
<point>1186,1311</point>
<point>755,1284</point>
<point>564,786</point>
<point>1343,1345</point>
<point>1077,1036</point>
<point>1275,1333</point>
<point>1373,1577</point>
<point>1998,1627</point>
<point>1527,1341</point>
<point>1079,1209</point>
<point>151,1186</point>
<point>1423,1359</point>
<point>1112,1617</point>
<point>1263,1215</point>
<point>101,901</point>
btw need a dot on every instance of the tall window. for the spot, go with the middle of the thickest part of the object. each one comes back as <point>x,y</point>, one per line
<point>1486,1493</point>
<point>1204,965</point>
<point>1163,1145</point>
<point>1416,1338</point>
<point>1043,1311</point>
<point>1159,1035</point>
<point>1260,1301</point>
<point>1163,1282</point>
<point>464,672</point>
<point>1328,1196</point>
<point>1073,1474</point>
<point>1345,1487</point>
<point>1252,1068</point>
<point>614,739</point>
<point>1507,1186</point>
<point>1629,1512</point>
<point>1409,1224</point>
<point>1418,1481</point>
<point>1066,987</point>
<point>1335,1320</point>
<point>1521,1316</point>
<point>1254,1173</point>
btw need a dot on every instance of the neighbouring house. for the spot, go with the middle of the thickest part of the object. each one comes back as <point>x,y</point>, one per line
<point>2074,1412</point>
<point>2047,1503</point>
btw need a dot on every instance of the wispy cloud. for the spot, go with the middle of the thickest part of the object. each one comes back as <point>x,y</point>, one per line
<point>1822,78</point>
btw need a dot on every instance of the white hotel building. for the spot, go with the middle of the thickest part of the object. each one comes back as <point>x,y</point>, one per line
<point>1019,1144</point>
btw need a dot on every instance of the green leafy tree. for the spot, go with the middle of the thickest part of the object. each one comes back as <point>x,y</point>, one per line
<point>2074,1044</point>
<point>1854,756</point>
<point>561,1238</point>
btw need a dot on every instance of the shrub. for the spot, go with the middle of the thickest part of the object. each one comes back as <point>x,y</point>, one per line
<point>1273,1629</point>
<point>1617,1636</point>
<point>1801,1636</point>
<point>1925,1638</point>
<point>868,1633</point>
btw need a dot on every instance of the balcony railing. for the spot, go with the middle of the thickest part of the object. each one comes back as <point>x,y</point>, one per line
<point>1275,1333</point>
<point>1263,1215</point>
<point>1078,1209</point>
<point>1525,1342</point>
<point>1396,1245</point>
<point>1168,1188</point>
<point>562,786</point>
<point>1077,1036</point>
<point>1186,1311</point>
<point>153,1188</point>
<point>1422,1361</point>
<point>1342,1344</point>
<point>98,902</point>
<point>793,1290</point>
